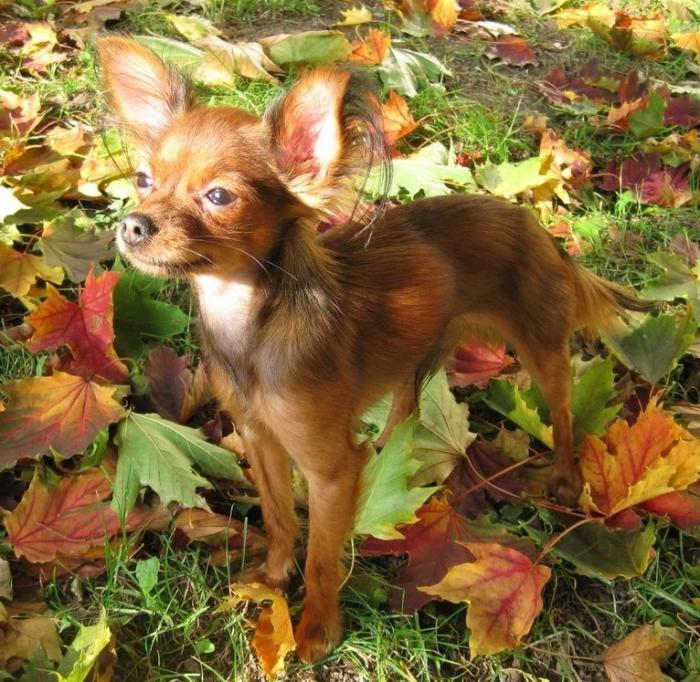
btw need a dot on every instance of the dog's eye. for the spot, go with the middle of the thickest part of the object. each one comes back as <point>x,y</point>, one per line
<point>143,181</point>
<point>220,196</point>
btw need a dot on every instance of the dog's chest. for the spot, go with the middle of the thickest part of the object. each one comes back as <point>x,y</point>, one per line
<point>227,313</point>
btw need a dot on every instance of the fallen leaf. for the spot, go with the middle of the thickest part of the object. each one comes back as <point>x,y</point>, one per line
<point>175,391</point>
<point>307,47</point>
<point>638,657</point>
<point>222,61</point>
<point>433,544</point>
<point>406,70</point>
<point>633,464</point>
<point>386,498</point>
<point>160,454</point>
<point>355,16</point>
<point>512,50</point>
<point>677,281</point>
<point>61,413</point>
<point>426,17</point>
<point>24,635</point>
<point>687,41</point>
<point>84,653</point>
<point>503,589</point>
<point>192,27</point>
<point>71,243</point>
<point>214,529</point>
<point>19,271</point>
<point>681,508</point>
<point>66,519</point>
<point>372,50</point>
<point>85,327</point>
<point>475,364</point>
<point>397,120</point>
<point>19,115</point>
<point>273,638</point>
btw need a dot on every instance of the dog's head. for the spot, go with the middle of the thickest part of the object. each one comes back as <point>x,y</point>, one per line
<point>218,186</point>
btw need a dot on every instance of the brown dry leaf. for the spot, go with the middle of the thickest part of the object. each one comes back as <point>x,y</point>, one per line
<point>535,123</point>
<point>21,637</point>
<point>273,638</point>
<point>512,50</point>
<point>638,657</point>
<point>223,61</point>
<point>204,525</point>
<point>18,114</point>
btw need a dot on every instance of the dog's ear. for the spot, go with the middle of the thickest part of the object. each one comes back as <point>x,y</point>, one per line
<point>144,92</point>
<point>319,133</point>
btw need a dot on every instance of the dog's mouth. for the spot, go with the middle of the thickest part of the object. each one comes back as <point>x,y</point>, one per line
<point>166,268</point>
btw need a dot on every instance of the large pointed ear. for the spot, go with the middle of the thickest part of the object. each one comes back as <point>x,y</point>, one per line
<point>145,93</point>
<point>321,132</point>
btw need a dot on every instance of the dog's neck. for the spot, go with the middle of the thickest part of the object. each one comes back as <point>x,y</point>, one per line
<point>260,322</point>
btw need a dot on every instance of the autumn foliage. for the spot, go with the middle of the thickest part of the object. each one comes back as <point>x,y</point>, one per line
<point>113,432</point>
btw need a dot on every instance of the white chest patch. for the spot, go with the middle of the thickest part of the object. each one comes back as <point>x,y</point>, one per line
<point>226,309</point>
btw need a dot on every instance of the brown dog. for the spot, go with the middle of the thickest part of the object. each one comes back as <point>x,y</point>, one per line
<point>303,331</point>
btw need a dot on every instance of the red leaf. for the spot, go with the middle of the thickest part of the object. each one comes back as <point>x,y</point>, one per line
<point>475,363</point>
<point>61,412</point>
<point>67,519</point>
<point>85,327</point>
<point>512,50</point>
<point>682,508</point>
<point>683,111</point>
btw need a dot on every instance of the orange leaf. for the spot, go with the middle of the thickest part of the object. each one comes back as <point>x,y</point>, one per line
<point>638,656</point>
<point>371,51</point>
<point>19,271</point>
<point>440,15</point>
<point>273,637</point>
<point>62,412</point>
<point>688,41</point>
<point>503,589</point>
<point>85,327</point>
<point>398,121</point>
<point>66,519</point>
<point>477,363</point>
<point>637,463</point>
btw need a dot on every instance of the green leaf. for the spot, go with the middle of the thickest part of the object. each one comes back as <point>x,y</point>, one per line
<point>71,242</point>
<point>192,27</point>
<point>653,347</point>
<point>406,70</point>
<point>598,551</point>
<point>510,179</point>
<point>650,121</point>
<point>136,314</point>
<point>386,499</point>
<point>309,47</point>
<point>84,650</point>
<point>677,281</point>
<point>520,408</point>
<point>147,575</point>
<point>175,52</point>
<point>158,453</point>
<point>594,388</point>
<point>430,171</point>
<point>442,434</point>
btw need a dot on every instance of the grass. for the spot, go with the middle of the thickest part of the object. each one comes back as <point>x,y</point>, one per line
<point>173,630</point>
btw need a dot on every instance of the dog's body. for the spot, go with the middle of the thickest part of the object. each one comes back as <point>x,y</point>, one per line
<point>303,331</point>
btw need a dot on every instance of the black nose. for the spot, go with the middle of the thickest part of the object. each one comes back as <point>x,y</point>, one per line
<point>135,228</point>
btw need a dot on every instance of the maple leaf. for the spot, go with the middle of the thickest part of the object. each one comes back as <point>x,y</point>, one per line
<point>475,363</point>
<point>69,242</point>
<point>223,60</point>
<point>688,41</point>
<point>307,47</point>
<point>637,658</point>
<point>273,638</point>
<point>62,412</point>
<point>67,519</point>
<point>512,50</point>
<point>85,327</point>
<point>157,453</point>
<point>434,543</point>
<point>83,654</point>
<point>19,115</point>
<point>175,391</point>
<point>385,498</point>
<point>20,270</point>
<point>372,50</point>
<point>483,461</point>
<point>503,589</point>
<point>633,464</point>
<point>681,508</point>
<point>397,120</point>
<point>607,553</point>
<point>426,17</point>
<point>573,166</point>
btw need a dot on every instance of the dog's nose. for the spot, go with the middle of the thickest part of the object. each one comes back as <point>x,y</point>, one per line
<point>135,228</point>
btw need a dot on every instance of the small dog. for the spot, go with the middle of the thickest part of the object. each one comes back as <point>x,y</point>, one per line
<point>303,329</point>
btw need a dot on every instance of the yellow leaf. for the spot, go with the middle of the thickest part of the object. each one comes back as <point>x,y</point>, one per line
<point>354,16</point>
<point>688,41</point>
<point>273,638</point>
<point>20,270</point>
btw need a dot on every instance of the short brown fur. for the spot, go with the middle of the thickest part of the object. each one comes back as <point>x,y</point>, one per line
<point>303,331</point>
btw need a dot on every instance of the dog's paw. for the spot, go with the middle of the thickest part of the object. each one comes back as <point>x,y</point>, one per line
<point>262,574</point>
<point>317,635</point>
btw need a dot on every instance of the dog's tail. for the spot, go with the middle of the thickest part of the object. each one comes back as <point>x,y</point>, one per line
<point>600,302</point>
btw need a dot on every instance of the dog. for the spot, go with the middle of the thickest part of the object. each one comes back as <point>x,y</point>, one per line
<point>304,329</point>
